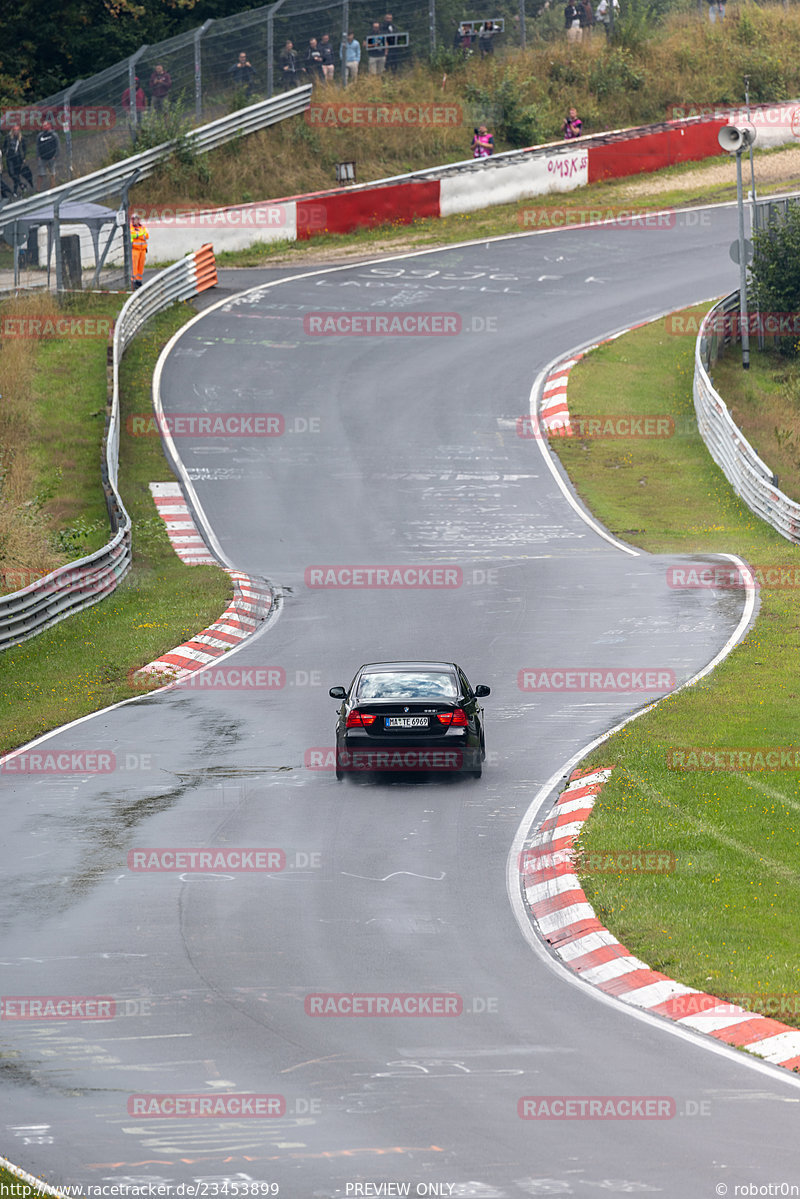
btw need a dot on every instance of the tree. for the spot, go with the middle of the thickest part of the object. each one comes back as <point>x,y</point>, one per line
<point>775,271</point>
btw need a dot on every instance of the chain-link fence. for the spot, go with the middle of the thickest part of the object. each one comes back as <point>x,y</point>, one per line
<point>162,90</point>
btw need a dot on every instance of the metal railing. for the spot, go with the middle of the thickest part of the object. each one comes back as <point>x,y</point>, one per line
<point>748,475</point>
<point>78,585</point>
<point>208,137</point>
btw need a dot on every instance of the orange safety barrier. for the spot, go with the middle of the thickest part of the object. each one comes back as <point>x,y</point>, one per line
<point>206,267</point>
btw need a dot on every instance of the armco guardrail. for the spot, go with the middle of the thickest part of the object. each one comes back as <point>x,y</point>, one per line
<point>207,137</point>
<point>751,479</point>
<point>80,584</point>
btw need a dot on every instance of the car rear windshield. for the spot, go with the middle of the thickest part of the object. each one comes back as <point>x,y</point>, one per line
<point>407,684</point>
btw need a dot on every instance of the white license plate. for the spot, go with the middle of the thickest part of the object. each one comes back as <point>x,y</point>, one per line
<point>405,722</point>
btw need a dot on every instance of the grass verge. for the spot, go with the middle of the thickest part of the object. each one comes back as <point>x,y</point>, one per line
<point>84,662</point>
<point>764,402</point>
<point>725,921</point>
<point>12,1187</point>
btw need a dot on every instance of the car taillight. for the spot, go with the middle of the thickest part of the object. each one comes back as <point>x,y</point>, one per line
<point>358,720</point>
<point>454,719</point>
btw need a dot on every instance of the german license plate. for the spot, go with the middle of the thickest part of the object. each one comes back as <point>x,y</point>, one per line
<point>405,722</point>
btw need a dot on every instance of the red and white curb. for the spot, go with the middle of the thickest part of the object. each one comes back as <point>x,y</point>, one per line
<point>568,924</point>
<point>250,607</point>
<point>181,529</point>
<point>553,410</point>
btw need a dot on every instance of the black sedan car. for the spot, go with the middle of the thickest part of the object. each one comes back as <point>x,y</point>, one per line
<point>410,716</point>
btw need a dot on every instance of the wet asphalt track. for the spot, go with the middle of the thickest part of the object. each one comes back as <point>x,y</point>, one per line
<point>401,451</point>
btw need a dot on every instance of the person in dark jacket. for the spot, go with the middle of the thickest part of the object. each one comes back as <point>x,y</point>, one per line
<point>14,151</point>
<point>48,147</point>
<point>243,74</point>
<point>313,63</point>
<point>290,66</point>
<point>572,22</point>
<point>328,62</point>
<point>160,83</point>
<point>389,28</point>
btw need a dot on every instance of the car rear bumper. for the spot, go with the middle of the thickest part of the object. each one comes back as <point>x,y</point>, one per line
<point>369,753</point>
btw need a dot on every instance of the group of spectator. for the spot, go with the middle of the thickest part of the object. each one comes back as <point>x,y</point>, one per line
<point>14,160</point>
<point>467,38</point>
<point>159,88</point>
<point>579,17</point>
<point>317,64</point>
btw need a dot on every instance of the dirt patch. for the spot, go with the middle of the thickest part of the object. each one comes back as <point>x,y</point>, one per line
<point>784,165</point>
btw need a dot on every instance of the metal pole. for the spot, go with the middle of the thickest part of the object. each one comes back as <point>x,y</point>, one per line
<point>432,22</point>
<point>133,112</point>
<point>198,71</point>
<point>57,236</point>
<point>752,166</point>
<point>270,55</point>
<point>522,23</point>
<point>66,109</point>
<point>270,47</point>
<point>126,227</point>
<point>345,31</point>
<point>742,267</point>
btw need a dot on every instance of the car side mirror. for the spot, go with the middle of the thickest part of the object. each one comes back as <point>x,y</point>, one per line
<point>482,690</point>
<point>337,693</point>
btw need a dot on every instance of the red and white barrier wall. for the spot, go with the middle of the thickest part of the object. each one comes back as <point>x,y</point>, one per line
<point>463,186</point>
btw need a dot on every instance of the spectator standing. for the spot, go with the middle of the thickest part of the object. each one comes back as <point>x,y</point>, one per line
<point>389,29</point>
<point>160,83</point>
<point>351,56</point>
<point>139,240</point>
<point>573,125</point>
<point>572,22</point>
<point>243,74</point>
<point>482,143</point>
<point>48,147</point>
<point>376,50</point>
<point>716,8</point>
<point>586,16</point>
<point>290,67</point>
<point>313,63</point>
<point>140,99</point>
<point>328,63</point>
<point>485,39</point>
<point>603,14</point>
<point>14,151</point>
